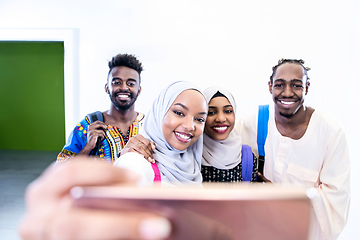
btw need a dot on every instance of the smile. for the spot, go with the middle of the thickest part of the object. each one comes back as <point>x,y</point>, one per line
<point>287,104</point>
<point>220,129</point>
<point>183,137</point>
<point>122,96</point>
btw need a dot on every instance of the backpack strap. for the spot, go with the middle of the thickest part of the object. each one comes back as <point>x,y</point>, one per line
<point>93,117</point>
<point>262,131</point>
<point>247,163</point>
<point>157,177</point>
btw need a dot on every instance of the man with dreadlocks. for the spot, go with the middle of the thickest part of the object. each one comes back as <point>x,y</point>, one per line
<point>107,137</point>
<point>305,147</point>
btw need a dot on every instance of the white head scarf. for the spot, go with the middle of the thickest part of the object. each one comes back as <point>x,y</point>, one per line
<point>178,166</point>
<point>225,154</point>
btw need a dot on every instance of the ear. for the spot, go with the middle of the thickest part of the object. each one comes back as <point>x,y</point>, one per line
<point>270,87</point>
<point>139,91</point>
<point>307,86</point>
<point>107,88</point>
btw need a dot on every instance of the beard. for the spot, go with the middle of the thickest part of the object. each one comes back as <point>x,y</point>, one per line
<point>123,105</point>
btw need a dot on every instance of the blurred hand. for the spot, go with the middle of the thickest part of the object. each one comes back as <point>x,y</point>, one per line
<point>50,212</point>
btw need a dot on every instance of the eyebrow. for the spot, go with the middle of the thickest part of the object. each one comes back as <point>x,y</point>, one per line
<point>223,106</point>
<point>283,80</point>
<point>183,106</point>
<point>129,79</point>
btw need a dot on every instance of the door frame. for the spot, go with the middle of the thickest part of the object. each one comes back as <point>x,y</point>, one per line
<point>70,37</point>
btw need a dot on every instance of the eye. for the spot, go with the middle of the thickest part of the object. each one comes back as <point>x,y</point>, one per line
<point>115,82</point>
<point>202,120</point>
<point>297,86</point>
<point>278,85</point>
<point>130,84</point>
<point>228,111</point>
<point>179,113</point>
<point>211,113</point>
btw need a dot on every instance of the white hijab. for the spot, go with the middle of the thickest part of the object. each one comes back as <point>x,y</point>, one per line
<point>225,154</point>
<point>178,166</point>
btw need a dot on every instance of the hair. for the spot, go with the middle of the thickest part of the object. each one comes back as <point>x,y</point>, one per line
<point>295,61</point>
<point>125,60</point>
<point>218,94</point>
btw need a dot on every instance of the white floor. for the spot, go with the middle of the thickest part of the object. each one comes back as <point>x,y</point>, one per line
<point>17,170</point>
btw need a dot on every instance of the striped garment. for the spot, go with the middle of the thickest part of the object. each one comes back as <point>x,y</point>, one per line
<point>111,145</point>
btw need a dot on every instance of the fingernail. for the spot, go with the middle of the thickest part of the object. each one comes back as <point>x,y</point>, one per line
<point>151,160</point>
<point>155,228</point>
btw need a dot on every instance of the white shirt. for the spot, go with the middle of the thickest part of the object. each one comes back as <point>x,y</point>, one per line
<point>319,159</point>
<point>138,164</point>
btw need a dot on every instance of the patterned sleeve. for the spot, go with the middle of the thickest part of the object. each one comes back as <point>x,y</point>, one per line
<point>75,142</point>
<point>255,169</point>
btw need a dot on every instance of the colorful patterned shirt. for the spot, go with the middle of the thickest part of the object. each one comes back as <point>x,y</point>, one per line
<point>110,146</point>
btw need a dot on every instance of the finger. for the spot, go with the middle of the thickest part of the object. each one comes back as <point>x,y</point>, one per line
<point>137,145</point>
<point>57,181</point>
<point>96,224</point>
<point>98,124</point>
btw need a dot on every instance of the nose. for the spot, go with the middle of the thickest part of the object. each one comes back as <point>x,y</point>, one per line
<point>288,92</point>
<point>123,86</point>
<point>189,123</point>
<point>220,117</point>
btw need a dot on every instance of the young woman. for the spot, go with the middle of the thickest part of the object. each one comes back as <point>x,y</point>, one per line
<point>225,159</point>
<point>175,124</point>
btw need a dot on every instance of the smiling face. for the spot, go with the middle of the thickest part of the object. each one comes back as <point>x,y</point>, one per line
<point>288,89</point>
<point>221,118</point>
<point>123,87</point>
<point>184,122</point>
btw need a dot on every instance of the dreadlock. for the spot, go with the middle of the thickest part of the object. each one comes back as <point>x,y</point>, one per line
<point>284,60</point>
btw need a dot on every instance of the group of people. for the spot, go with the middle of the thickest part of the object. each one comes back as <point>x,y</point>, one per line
<point>189,137</point>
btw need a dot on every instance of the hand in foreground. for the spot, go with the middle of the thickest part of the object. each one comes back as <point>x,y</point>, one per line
<point>50,213</point>
<point>140,145</point>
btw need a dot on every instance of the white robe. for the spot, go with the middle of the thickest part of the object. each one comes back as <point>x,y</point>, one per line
<point>319,159</point>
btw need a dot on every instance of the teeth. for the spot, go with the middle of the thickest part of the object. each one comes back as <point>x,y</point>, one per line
<point>122,96</point>
<point>287,103</point>
<point>183,136</point>
<point>220,128</point>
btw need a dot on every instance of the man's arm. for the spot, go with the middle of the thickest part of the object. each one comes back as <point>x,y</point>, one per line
<point>331,203</point>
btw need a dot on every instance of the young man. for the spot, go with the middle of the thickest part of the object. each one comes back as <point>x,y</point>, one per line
<point>305,148</point>
<point>120,122</point>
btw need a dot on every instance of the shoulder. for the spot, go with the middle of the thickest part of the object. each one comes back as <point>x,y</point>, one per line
<point>137,163</point>
<point>326,120</point>
<point>133,160</point>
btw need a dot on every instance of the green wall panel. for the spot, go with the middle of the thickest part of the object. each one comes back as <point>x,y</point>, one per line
<point>32,95</point>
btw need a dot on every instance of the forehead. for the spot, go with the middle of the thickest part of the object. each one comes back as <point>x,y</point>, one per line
<point>219,102</point>
<point>192,99</point>
<point>289,71</point>
<point>123,73</point>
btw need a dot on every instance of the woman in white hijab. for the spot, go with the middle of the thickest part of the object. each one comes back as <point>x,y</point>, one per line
<point>175,124</point>
<point>225,159</point>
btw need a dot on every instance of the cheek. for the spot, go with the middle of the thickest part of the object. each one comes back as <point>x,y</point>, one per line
<point>199,130</point>
<point>231,120</point>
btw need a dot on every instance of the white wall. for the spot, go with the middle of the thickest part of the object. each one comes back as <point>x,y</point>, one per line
<point>228,43</point>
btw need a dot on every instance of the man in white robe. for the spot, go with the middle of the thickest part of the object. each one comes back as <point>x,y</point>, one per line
<point>304,147</point>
